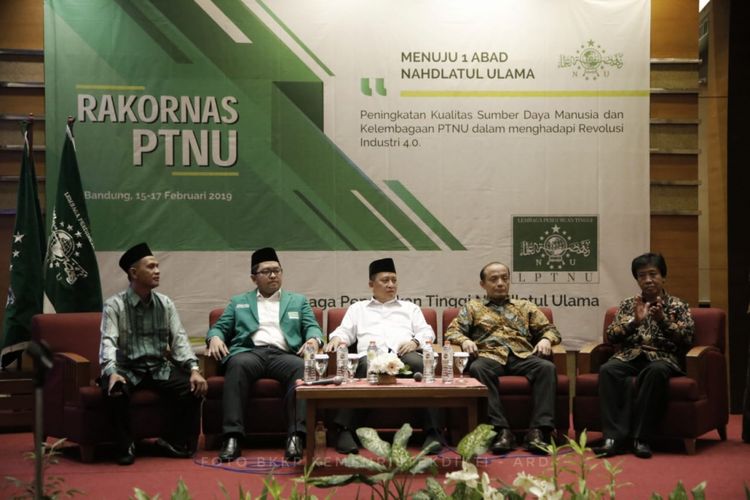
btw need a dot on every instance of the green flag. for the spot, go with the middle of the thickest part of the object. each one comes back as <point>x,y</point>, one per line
<point>26,261</point>
<point>72,280</point>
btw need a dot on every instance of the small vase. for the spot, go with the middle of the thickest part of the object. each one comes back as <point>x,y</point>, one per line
<point>385,379</point>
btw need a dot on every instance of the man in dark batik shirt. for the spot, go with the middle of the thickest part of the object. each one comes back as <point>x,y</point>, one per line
<point>653,331</point>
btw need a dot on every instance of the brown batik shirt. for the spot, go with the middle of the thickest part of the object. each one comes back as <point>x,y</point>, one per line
<point>498,329</point>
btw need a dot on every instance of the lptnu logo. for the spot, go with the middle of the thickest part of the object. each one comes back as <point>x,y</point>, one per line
<point>555,244</point>
<point>558,247</point>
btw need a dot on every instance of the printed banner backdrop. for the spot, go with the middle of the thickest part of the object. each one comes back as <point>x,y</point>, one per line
<point>444,134</point>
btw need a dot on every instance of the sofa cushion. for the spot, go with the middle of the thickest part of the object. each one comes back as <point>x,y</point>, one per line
<point>519,385</point>
<point>91,398</point>
<point>262,388</point>
<point>680,388</point>
<point>587,384</point>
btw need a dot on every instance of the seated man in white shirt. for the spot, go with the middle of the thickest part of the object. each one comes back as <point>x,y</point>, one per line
<point>396,326</point>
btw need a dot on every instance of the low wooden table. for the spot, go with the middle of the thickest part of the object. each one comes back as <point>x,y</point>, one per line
<point>405,393</point>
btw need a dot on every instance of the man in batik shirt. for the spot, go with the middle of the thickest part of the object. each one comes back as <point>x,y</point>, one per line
<point>653,331</point>
<point>503,336</point>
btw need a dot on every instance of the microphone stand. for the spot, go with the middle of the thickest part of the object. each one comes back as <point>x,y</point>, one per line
<point>40,353</point>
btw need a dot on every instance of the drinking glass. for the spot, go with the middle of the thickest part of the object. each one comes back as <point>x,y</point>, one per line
<point>321,364</point>
<point>352,363</point>
<point>461,359</point>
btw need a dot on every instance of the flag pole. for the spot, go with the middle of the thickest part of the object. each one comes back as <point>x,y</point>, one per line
<point>42,356</point>
<point>30,134</point>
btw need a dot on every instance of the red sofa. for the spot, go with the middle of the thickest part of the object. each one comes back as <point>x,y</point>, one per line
<point>74,407</point>
<point>697,402</point>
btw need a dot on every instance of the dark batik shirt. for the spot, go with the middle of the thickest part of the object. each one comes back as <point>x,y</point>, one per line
<point>667,340</point>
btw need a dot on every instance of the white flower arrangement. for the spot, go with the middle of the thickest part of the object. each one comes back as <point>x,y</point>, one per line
<point>538,486</point>
<point>470,476</point>
<point>386,363</point>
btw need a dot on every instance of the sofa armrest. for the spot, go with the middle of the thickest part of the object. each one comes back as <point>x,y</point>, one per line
<point>76,374</point>
<point>696,360</point>
<point>208,365</point>
<point>592,356</point>
<point>560,358</point>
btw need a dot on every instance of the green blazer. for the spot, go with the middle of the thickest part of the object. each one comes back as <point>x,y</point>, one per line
<point>239,322</point>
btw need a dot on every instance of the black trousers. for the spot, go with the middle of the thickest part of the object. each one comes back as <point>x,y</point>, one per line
<point>184,408</point>
<point>629,415</point>
<point>352,418</point>
<point>542,376</point>
<point>241,372</point>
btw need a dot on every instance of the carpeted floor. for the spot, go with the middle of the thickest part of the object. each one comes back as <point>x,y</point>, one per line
<point>724,465</point>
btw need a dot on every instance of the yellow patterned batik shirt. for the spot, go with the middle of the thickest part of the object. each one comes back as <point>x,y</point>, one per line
<point>498,329</point>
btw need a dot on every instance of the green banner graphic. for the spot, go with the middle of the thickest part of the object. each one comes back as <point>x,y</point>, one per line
<point>209,144</point>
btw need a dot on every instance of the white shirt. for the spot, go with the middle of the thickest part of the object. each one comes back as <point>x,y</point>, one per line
<point>389,324</point>
<point>269,331</point>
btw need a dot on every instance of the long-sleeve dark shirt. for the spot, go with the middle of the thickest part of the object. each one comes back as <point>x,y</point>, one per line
<point>667,340</point>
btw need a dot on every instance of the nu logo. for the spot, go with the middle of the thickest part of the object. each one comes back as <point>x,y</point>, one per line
<point>364,84</point>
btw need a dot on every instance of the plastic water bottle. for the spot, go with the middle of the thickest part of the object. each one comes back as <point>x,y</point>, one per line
<point>447,363</point>
<point>342,360</point>
<point>372,352</point>
<point>309,359</point>
<point>428,371</point>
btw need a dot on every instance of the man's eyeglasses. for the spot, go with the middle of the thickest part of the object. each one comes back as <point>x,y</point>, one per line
<point>268,272</point>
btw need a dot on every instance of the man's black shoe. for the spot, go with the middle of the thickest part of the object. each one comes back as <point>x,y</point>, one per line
<point>536,441</point>
<point>294,447</point>
<point>504,443</point>
<point>172,451</point>
<point>230,449</point>
<point>128,456</point>
<point>191,446</point>
<point>433,442</point>
<point>609,448</point>
<point>345,443</point>
<point>641,449</point>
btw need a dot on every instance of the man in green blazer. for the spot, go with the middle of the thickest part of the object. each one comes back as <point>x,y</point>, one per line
<point>262,334</point>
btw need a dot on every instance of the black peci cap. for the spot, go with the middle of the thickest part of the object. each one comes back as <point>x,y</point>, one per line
<point>133,255</point>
